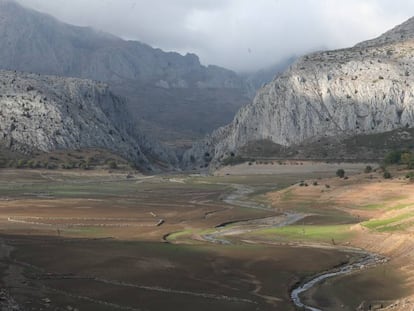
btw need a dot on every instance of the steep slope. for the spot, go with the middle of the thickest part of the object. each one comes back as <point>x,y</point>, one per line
<point>49,113</point>
<point>173,92</point>
<point>333,95</point>
<point>256,80</point>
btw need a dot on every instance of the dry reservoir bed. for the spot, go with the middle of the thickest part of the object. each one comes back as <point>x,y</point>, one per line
<point>100,241</point>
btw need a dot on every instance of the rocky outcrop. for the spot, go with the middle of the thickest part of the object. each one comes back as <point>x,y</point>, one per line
<point>46,113</point>
<point>367,89</point>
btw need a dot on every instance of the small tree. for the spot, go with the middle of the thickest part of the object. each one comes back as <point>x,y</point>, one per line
<point>340,173</point>
<point>368,169</point>
<point>387,175</point>
<point>393,157</point>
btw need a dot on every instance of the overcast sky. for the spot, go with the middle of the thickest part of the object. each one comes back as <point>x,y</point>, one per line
<point>238,34</point>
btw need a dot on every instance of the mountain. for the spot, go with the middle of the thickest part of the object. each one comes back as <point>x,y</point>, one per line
<point>256,80</point>
<point>49,113</point>
<point>175,95</point>
<point>322,103</point>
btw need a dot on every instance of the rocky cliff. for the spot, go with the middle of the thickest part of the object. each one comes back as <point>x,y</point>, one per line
<point>49,113</point>
<point>174,94</point>
<point>367,89</point>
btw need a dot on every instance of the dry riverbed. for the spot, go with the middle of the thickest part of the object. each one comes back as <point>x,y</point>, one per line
<point>98,241</point>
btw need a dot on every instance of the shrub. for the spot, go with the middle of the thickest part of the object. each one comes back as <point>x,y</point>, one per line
<point>112,165</point>
<point>234,160</point>
<point>393,157</point>
<point>410,176</point>
<point>400,157</point>
<point>68,165</point>
<point>387,175</point>
<point>50,166</point>
<point>340,173</point>
<point>21,163</point>
<point>85,165</point>
<point>368,169</point>
<point>31,164</point>
<point>3,163</point>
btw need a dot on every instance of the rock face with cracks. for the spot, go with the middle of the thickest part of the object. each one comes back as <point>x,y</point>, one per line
<point>46,113</point>
<point>366,89</point>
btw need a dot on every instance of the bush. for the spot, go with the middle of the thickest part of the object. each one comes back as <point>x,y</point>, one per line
<point>84,165</point>
<point>408,159</point>
<point>31,164</point>
<point>50,166</point>
<point>21,163</point>
<point>400,157</point>
<point>234,160</point>
<point>67,165</point>
<point>393,157</point>
<point>387,175</point>
<point>112,165</point>
<point>3,163</point>
<point>410,176</point>
<point>340,173</point>
<point>368,169</point>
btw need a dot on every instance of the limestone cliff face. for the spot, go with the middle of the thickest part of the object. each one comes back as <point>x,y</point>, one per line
<point>49,113</point>
<point>361,90</point>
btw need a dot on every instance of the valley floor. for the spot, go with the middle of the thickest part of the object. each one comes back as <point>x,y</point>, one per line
<point>74,240</point>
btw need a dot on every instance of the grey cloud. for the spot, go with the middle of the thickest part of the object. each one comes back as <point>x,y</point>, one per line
<point>238,34</point>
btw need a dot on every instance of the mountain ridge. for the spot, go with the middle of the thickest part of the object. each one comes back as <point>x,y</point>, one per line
<point>363,90</point>
<point>157,84</point>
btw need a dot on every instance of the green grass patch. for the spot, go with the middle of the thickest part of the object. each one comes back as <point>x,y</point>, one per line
<point>400,206</point>
<point>385,205</point>
<point>324,233</point>
<point>372,206</point>
<point>176,235</point>
<point>383,225</point>
<point>86,231</point>
<point>397,227</point>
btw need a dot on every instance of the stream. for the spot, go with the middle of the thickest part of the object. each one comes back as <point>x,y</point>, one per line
<point>239,198</point>
<point>369,260</point>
